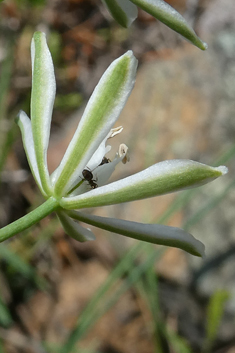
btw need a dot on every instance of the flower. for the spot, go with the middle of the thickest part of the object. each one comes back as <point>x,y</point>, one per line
<point>126,11</point>
<point>79,180</point>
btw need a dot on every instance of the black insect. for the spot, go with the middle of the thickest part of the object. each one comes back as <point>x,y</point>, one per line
<point>105,160</point>
<point>88,176</point>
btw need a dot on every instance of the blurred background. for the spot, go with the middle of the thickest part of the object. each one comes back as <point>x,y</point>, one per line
<point>117,295</point>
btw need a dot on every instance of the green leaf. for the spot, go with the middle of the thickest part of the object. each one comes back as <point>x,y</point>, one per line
<point>102,111</point>
<point>74,229</point>
<point>170,17</point>
<point>123,11</point>
<point>42,100</point>
<point>161,178</point>
<point>152,233</point>
<point>25,126</point>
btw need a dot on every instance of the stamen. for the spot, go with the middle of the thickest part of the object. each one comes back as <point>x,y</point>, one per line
<point>123,150</point>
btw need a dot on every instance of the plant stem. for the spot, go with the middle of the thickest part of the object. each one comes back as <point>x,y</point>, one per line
<point>29,219</point>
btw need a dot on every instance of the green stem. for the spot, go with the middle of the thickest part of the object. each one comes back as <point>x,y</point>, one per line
<point>29,219</point>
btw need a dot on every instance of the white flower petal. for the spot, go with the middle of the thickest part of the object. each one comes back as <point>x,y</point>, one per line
<point>26,130</point>
<point>103,173</point>
<point>42,100</point>
<point>97,157</point>
<point>123,11</point>
<point>152,233</point>
<point>170,17</point>
<point>102,111</point>
<point>107,149</point>
<point>161,178</point>
<point>73,229</point>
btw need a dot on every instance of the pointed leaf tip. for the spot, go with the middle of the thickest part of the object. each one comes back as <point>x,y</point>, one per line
<point>161,178</point>
<point>101,113</point>
<point>162,11</point>
<point>222,169</point>
<point>151,233</point>
<point>42,100</point>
